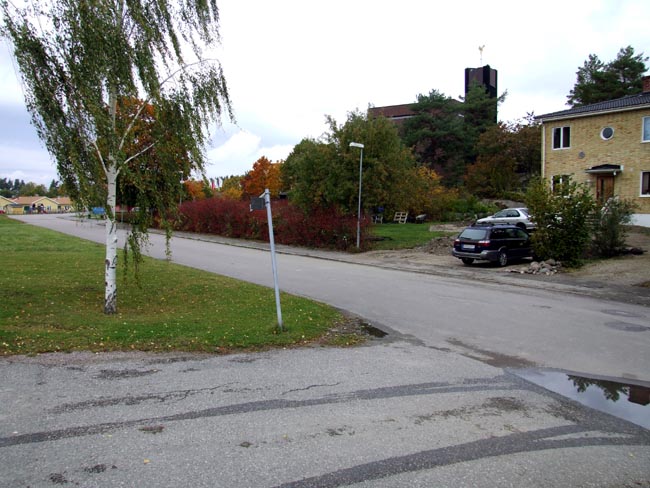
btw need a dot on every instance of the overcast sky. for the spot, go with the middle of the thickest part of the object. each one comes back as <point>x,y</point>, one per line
<point>289,63</point>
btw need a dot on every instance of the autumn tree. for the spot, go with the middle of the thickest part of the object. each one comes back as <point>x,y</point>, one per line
<point>264,174</point>
<point>426,193</point>
<point>509,156</point>
<point>231,188</point>
<point>161,153</point>
<point>597,81</point>
<point>78,59</point>
<point>196,189</point>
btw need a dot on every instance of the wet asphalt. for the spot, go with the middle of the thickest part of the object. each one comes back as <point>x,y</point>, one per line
<point>398,411</point>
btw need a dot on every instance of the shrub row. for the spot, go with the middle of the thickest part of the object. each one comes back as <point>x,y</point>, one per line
<point>292,226</point>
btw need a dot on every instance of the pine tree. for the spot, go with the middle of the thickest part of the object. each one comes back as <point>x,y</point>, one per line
<point>597,81</point>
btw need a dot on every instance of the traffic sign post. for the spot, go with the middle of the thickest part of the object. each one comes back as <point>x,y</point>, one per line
<point>264,200</point>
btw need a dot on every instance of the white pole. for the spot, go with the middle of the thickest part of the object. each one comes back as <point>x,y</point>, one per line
<point>269,217</point>
<point>360,146</point>
<point>359,209</point>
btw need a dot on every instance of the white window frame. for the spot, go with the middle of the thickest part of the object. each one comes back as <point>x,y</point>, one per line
<point>558,180</point>
<point>645,194</point>
<point>563,144</point>
<point>645,129</point>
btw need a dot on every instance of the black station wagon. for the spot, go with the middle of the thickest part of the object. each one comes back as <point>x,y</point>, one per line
<point>495,243</point>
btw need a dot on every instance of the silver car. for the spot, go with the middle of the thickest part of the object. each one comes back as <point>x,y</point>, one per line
<point>514,216</point>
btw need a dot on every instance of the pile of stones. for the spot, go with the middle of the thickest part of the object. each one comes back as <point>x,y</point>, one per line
<point>548,267</point>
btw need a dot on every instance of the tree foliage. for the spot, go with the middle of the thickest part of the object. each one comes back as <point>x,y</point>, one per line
<point>427,195</point>
<point>444,132</point>
<point>597,81</point>
<point>436,134</point>
<point>79,59</point>
<point>231,188</point>
<point>325,174</point>
<point>196,189</point>
<point>264,174</point>
<point>562,215</point>
<point>161,162</point>
<point>609,232</point>
<point>509,154</point>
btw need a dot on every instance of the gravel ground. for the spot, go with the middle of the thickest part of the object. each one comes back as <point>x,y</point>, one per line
<point>627,270</point>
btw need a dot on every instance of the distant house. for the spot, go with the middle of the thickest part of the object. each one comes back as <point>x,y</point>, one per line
<point>37,204</point>
<point>65,204</point>
<point>5,203</point>
<point>606,145</point>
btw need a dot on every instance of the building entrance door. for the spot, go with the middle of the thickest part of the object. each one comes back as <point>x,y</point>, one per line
<point>604,188</point>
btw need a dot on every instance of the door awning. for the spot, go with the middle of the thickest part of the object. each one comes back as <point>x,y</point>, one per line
<point>607,169</point>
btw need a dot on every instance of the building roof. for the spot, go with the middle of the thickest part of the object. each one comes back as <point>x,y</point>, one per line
<point>32,200</point>
<point>629,102</point>
<point>393,111</point>
<point>64,200</point>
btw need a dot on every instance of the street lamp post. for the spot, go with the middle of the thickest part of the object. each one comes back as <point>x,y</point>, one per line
<point>360,146</point>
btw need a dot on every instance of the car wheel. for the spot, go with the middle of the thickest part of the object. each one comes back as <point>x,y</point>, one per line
<point>503,258</point>
<point>467,261</point>
<point>521,225</point>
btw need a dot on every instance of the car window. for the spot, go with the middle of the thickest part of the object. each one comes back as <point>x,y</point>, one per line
<point>512,213</point>
<point>500,214</point>
<point>473,234</point>
<point>498,234</point>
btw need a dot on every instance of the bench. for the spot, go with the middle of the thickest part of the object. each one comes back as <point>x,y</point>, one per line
<point>400,217</point>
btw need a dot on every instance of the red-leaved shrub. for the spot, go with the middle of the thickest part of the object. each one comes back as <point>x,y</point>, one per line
<point>230,218</point>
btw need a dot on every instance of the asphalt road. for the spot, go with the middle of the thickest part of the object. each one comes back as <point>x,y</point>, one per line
<point>412,409</point>
<point>511,322</point>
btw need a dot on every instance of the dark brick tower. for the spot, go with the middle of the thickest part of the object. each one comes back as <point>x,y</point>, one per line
<point>485,76</point>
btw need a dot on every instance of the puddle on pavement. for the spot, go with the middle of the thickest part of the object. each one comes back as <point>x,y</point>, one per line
<point>622,400</point>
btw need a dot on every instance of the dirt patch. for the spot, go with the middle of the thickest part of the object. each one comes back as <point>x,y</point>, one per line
<point>628,270</point>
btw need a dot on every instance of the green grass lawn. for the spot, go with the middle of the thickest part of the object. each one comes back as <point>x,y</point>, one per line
<point>52,295</point>
<point>403,236</point>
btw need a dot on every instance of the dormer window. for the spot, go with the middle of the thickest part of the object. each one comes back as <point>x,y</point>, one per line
<point>562,137</point>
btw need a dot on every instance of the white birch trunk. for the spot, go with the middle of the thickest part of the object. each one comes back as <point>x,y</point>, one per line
<point>110,297</point>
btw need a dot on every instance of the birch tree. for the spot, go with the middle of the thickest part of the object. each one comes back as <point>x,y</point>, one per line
<point>79,58</point>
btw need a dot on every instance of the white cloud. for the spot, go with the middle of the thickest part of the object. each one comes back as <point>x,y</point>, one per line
<point>239,152</point>
<point>28,164</point>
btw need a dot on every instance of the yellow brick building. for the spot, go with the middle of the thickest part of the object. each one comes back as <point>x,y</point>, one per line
<point>606,145</point>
